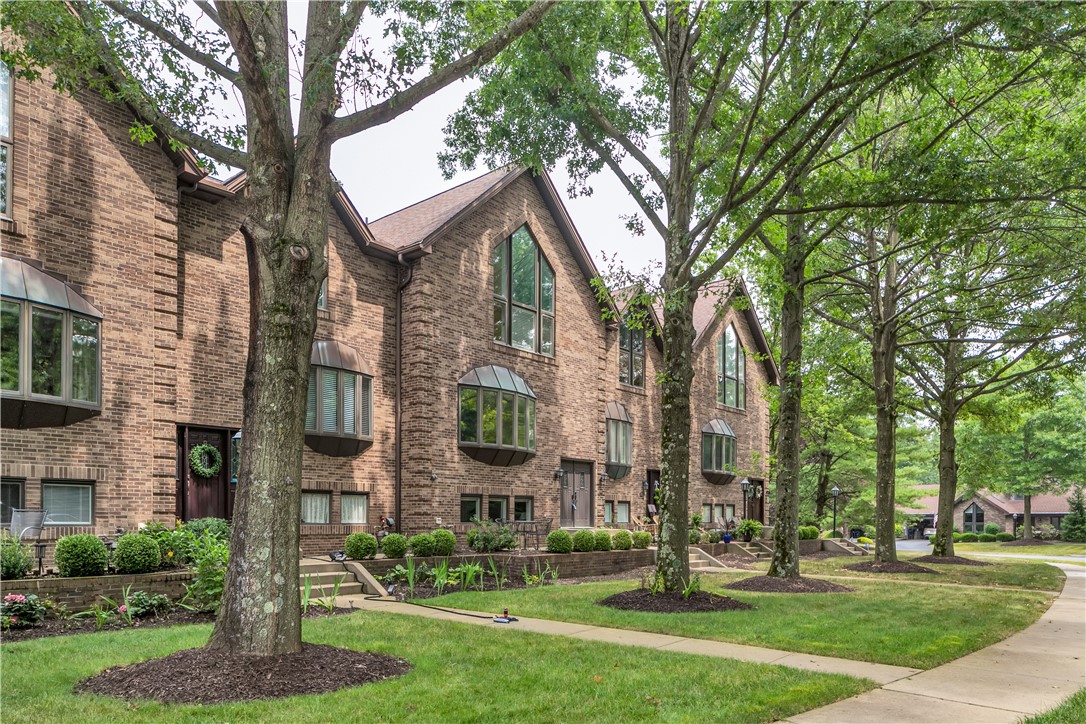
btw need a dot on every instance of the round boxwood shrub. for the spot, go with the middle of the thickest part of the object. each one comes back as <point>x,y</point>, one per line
<point>957,536</point>
<point>712,536</point>
<point>81,555</point>
<point>987,537</point>
<point>583,541</point>
<point>968,538</point>
<point>808,532</point>
<point>695,535</point>
<point>991,528</point>
<point>394,545</point>
<point>136,553</point>
<point>931,539</point>
<point>421,545</point>
<point>444,542</point>
<point>622,541</point>
<point>559,541</point>
<point>1004,537</point>
<point>642,539</point>
<point>603,540</point>
<point>360,546</point>
<point>833,534</point>
<point>218,527</point>
<point>15,557</point>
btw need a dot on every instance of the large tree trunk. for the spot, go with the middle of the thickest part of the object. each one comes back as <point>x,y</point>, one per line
<point>785,562</point>
<point>1027,517</point>
<point>948,483</point>
<point>883,361</point>
<point>822,491</point>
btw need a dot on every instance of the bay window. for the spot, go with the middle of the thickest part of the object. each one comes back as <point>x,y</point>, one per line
<point>496,423</point>
<point>718,452</point>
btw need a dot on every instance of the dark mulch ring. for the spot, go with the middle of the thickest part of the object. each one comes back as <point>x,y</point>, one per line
<point>895,567</point>
<point>1028,542</point>
<point>176,617</point>
<point>642,599</point>
<point>772,584</point>
<point>734,560</point>
<point>951,560</point>
<point>823,555</point>
<point>202,676</point>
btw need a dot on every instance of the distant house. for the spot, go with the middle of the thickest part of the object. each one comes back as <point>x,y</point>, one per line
<point>1008,511</point>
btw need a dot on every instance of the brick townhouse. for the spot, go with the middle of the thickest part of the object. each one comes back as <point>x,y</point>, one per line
<point>462,365</point>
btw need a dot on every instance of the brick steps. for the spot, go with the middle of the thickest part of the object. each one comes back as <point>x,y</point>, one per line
<point>323,577</point>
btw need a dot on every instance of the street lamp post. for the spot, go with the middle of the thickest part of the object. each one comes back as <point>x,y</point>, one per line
<point>836,491</point>
<point>745,485</point>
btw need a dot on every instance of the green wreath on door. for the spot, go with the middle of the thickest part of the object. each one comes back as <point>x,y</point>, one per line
<point>196,460</point>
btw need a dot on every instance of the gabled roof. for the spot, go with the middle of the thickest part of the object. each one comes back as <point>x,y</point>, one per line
<point>1039,504</point>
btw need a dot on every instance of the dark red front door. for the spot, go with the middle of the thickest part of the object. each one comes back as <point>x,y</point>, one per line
<point>204,497</point>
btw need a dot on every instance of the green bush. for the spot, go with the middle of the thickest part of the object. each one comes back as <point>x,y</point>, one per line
<point>713,536</point>
<point>869,531</point>
<point>172,544</point>
<point>864,540</point>
<point>833,534</point>
<point>559,541</point>
<point>19,611</point>
<point>956,536</point>
<point>602,540</point>
<point>421,545</point>
<point>808,532</point>
<point>444,542</point>
<point>136,553</point>
<point>968,538</point>
<point>987,537</point>
<point>394,545</point>
<point>15,557</point>
<point>584,541</point>
<point>81,555</point>
<point>217,527</point>
<point>750,527</point>
<point>622,541</point>
<point>1074,524</point>
<point>490,536</point>
<point>695,536</point>
<point>991,528</point>
<point>360,546</point>
<point>1004,537</point>
<point>142,604</point>
<point>208,557</point>
<point>642,539</point>
<point>899,531</point>
<point>931,539</point>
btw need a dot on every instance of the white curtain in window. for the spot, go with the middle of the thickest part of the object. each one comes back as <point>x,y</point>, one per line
<point>623,513</point>
<point>354,508</point>
<point>315,508</point>
<point>67,504</point>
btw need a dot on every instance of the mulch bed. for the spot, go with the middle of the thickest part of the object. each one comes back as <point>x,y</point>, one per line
<point>641,599</point>
<point>895,567</point>
<point>202,676</point>
<point>772,584</point>
<point>1028,542</point>
<point>823,555</point>
<point>951,560</point>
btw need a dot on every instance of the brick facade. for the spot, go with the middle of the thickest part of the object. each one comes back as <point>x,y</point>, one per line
<point>166,265</point>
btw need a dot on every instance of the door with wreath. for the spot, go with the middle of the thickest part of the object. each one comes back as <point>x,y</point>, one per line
<point>205,473</point>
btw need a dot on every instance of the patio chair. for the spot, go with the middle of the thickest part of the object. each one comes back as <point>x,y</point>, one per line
<point>26,525</point>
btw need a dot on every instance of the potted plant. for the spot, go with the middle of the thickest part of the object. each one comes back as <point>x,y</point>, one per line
<point>749,529</point>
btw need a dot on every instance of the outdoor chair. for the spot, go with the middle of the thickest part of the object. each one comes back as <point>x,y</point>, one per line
<point>26,525</point>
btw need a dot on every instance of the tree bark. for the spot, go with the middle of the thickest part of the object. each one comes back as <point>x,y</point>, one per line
<point>883,361</point>
<point>1027,517</point>
<point>948,442</point>
<point>825,460</point>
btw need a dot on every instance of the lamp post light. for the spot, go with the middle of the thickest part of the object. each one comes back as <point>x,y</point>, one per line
<point>836,491</point>
<point>745,485</point>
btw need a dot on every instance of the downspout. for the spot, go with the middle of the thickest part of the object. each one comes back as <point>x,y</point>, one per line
<point>404,281</point>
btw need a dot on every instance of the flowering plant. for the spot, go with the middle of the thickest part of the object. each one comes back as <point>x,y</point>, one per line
<point>19,611</point>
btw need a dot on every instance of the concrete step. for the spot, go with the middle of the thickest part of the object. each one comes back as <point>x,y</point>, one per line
<point>316,566</point>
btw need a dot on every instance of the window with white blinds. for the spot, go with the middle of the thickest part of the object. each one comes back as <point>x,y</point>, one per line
<point>354,508</point>
<point>339,403</point>
<point>68,503</point>
<point>316,507</point>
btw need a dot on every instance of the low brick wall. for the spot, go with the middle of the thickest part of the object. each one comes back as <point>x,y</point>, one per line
<point>79,594</point>
<point>569,565</point>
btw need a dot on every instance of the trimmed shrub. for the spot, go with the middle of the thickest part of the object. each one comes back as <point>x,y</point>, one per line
<point>968,538</point>
<point>864,540</point>
<point>81,555</point>
<point>622,540</point>
<point>444,542</point>
<point>991,528</point>
<point>394,545</point>
<point>642,539</point>
<point>695,536</point>
<point>899,531</point>
<point>559,541</point>
<point>833,534</point>
<point>987,537</point>
<point>808,532</point>
<point>136,553</point>
<point>869,531</point>
<point>360,546</point>
<point>421,545</point>
<point>603,540</point>
<point>713,536</point>
<point>1004,537</point>
<point>583,541</point>
<point>217,527</point>
<point>957,536</point>
<point>491,537</point>
<point>15,557</point>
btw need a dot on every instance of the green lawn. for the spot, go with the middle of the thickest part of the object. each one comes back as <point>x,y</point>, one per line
<point>1055,549</point>
<point>462,672</point>
<point>1071,711</point>
<point>1033,575</point>
<point>885,622</point>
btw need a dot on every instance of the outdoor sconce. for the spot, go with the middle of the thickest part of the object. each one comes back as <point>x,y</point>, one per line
<point>433,476</point>
<point>645,486</point>
<point>745,485</point>
<point>603,478</point>
<point>559,474</point>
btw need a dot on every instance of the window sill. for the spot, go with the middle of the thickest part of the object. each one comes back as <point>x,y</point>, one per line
<point>633,389</point>
<point>729,408</point>
<point>10,227</point>
<point>510,349</point>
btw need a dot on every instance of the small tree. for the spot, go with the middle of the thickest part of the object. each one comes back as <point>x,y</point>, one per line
<point>1074,525</point>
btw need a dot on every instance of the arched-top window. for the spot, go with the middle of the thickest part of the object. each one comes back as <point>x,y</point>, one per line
<point>718,452</point>
<point>731,386</point>
<point>339,404</point>
<point>497,416</point>
<point>523,294</point>
<point>973,519</point>
<point>619,441</point>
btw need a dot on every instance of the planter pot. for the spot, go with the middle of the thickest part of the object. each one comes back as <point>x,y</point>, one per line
<point>727,539</point>
<point>747,537</point>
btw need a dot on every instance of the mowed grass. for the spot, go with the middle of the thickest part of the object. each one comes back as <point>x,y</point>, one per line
<point>1071,711</point>
<point>1033,575</point>
<point>892,622</point>
<point>1055,549</point>
<point>463,673</point>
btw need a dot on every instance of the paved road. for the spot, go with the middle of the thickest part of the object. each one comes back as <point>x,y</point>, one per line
<point>922,546</point>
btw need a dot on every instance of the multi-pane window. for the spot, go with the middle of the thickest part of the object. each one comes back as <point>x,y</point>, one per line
<point>497,508</point>
<point>11,497</point>
<point>718,451</point>
<point>68,503</point>
<point>731,388</point>
<point>354,508</point>
<point>523,283</point>
<point>622,512</point>
<point>316,508</point>
<point>471,506</point>
<point>7,88</point>
<point>339,403</point>
<point>496,416</point>
<point>706,513</point>
<point>608,512</point>
<point>322,296</point>
<point>973,519</point>
<point>631,356</point>
<point>729,512</point>
<point>619,448</point>
<point>522,509</point>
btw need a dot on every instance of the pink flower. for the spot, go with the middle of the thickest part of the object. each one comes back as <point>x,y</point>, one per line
<point>123,608</point>
<point>17,598</point>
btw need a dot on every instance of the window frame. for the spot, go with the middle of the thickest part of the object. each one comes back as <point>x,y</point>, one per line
<point>348,494</point>
<point>719,466</point>
<point>530,507</point>
<point>7,142</point>
<point>80,484</point>
<point>327,495</point>
<point>971,513</point>
<point>608,512</point>
<point>503,502</point>
<point>731,369</point>
<point>619,466</point>
<point>20,483</point>
<point>478,500</point>
<point>318,410</point>
<point>507,303</point>
<point>322,294</point>
<point>620,506</point>
<point>628,354</point>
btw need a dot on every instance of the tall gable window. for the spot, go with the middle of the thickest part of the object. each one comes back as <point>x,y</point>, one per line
<point>339,403</point>
<point>631,356</point>
<point>497,416</point>
<point>523,294</point>
<point>973,519</point>
<point>731,387</point>
<point>7,87</point>
<point>718,452</point>
<point>619,441</point>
